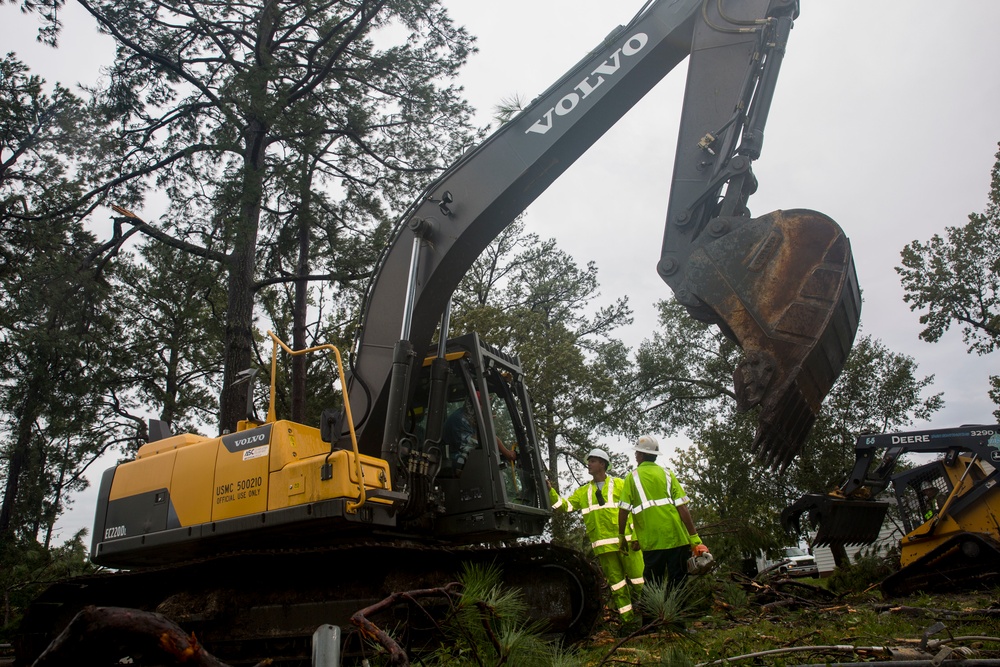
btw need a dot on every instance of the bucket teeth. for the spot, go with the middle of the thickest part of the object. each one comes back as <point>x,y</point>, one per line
<point>839,522</point>
<point>784,288</point>
<point>783,425</point>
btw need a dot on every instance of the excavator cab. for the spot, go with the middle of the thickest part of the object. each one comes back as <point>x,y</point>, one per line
<point>489,476</point>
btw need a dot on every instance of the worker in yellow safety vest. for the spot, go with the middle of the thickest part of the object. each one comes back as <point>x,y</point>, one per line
<point>657,505</point>
<point>598,502</point>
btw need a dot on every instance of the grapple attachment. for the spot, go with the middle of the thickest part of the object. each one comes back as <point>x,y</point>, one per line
<point>839,521</point>
<point>784,288</point>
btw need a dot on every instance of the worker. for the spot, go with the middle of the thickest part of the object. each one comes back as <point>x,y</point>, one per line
<point>662,523</point>
<point>461,436</point>
<point>929,493</point>
<point>598,502</point>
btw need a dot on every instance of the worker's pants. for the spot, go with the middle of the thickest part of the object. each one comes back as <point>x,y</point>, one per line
<point>624,575</point>
<point>669,564</point>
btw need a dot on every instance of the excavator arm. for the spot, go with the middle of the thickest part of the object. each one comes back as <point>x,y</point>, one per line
<point>782,286</point>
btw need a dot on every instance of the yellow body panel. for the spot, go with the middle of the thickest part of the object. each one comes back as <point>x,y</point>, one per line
<point>301,482</point>
<point>241,478</point>
<point>914,546</point>
<point>259,469</point>
<point>146,474</point>
<point>192,481</point>
<point>291,443</point>
<point>169,444</point>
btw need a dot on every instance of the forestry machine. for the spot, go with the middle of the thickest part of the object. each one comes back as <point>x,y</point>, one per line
<point>949,507</point>
<point>382,496</point>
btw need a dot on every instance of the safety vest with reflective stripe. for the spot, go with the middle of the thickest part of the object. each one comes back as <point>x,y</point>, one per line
<point>600,520</point>
<point>651,495</point>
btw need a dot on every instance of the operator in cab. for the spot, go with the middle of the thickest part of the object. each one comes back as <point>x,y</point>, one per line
<point>931,501</point>
<point>461,435</point>
<point>598,502</point>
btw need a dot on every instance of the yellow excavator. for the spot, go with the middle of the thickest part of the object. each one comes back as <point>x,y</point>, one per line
<point>949,508</point>
<point>254,538</point>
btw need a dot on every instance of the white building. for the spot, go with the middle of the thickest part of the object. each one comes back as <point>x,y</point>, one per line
<point>888,538</point>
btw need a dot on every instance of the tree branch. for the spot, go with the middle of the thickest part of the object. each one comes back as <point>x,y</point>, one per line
<point>329,277</point>
<point>147,229</point>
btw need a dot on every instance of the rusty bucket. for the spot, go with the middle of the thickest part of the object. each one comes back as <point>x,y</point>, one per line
<point>784,288</point>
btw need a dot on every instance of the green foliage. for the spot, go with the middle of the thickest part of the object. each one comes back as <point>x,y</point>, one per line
<point>734,595</point>
<point>737,499</point>
<point>792,634</point>
<point>489,626</point>
<point>285,134</point>
<point>41,135</point>
<point>27,568</point>
<point>869,568</point>
<point>60,343</point>
<point>955,280</point>
<point>683,376</point>
<point>670,608</point>
<point>172,305</point>
<point>673,656</point>
<point>57,365</point>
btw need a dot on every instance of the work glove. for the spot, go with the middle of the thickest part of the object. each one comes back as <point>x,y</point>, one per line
<point>698,550</point>
<point>622,544</point>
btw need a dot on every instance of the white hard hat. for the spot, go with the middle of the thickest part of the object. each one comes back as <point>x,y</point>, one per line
<point>600,454</point>
<point>647,444</point>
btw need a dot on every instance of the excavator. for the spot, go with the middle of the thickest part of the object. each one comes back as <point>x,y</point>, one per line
<point>949,507</point>
<point>254,538</point>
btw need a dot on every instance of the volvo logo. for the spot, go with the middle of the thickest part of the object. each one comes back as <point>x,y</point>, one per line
<point>590,83</point>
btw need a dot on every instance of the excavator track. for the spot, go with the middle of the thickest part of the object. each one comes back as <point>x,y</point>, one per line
<point>249,606</point>
<point>964,561</point>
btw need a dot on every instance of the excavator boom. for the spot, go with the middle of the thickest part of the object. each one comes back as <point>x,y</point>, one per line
<point>782,286</point>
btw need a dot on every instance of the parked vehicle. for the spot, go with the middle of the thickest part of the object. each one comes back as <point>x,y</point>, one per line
<point>791,561</point>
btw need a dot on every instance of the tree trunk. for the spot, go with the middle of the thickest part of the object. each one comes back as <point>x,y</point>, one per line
<point>27,413</point>
<point>301,305</point>
<point>171,387</point>
<point>840,557</point>
<point>35,493</point>
<point>549,433</point>
<point>57,501</point>
<point>238,352</point>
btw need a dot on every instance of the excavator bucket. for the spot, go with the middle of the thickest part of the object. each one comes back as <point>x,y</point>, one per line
<point>839,521</point>
<point>783,287</point>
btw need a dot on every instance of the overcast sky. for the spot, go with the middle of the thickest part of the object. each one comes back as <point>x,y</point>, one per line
<point>886,118</point>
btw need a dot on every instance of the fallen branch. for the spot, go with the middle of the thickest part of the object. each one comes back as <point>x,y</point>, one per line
<point>108,634</point>
<point>836,649</point>
<point>930,611</point>
<point>642,630</point>
<point>397,656</point>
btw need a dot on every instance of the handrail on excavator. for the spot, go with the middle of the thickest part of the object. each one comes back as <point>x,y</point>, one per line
<point>352,507</point>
